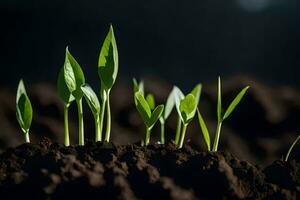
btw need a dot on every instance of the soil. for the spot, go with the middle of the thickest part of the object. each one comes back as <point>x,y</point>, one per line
<point>103,170</point>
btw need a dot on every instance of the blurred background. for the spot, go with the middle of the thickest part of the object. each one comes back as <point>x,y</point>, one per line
<point>248,42</point>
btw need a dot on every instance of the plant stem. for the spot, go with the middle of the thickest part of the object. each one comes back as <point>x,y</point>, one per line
<point>290,149</point>
<point>97,129</point>
<point>102,116</point>
<point>80,121</point>
<point>217,136</point>
<point>66,125</point>
<point>182,136</point>
<point>108,119</point>
<point>178,131</point>
<point>27,140</point>
<point>162,133</point>
<point>147,139</point>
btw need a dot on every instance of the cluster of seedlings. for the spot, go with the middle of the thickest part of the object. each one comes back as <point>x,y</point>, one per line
<point>72,87</point>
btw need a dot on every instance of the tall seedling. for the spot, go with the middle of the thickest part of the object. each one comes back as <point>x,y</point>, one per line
<point>74,79</point>
<point>107,69</point>
<point>23,110</point>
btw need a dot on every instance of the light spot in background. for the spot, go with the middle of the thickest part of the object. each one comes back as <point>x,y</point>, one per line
<point>254,5</point>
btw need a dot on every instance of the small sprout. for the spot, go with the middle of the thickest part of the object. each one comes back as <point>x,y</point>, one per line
<point>220,116</point>
<point>149,118</point>
<point>291,148</point>
<point>186,108</point>
<point>23,110</point>
<point>94,105</point>
<point>108,65</point>
<point>67,98</point>
<point>74,79</point>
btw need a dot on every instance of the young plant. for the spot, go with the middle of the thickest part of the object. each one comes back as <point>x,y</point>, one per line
<point>108,65</point>
<point>186,108</point>
<point>291,148</point>
<point>221,117</point>
<point>94,105</point>
<point>74,79</point>
<point>149,118</point>
<point>67,98</point>
<point>23,110</point>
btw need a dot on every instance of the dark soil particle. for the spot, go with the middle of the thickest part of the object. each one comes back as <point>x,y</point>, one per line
<point>105,171</point>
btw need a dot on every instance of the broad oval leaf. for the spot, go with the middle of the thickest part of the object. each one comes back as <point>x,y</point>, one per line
<point>74,76</point>
<point>151,101</point>
<point>143,108</point>
<point>204,130</point>
<point>235,102</point>
<point>169,105</point>
<point>156,114</point>
<point>108,63</point>
<point>91,99</point>
<point>62,88</point>
<point>197,92</point>
<point>219,101</point>
<point>188,108</point>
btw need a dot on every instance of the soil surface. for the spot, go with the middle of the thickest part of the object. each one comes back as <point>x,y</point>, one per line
<point>103,170</point>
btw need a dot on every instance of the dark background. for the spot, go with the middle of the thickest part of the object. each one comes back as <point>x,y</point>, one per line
<point>183,42</point>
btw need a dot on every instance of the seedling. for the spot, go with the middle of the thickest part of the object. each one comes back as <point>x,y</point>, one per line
<point>67,98</point>
<point>23,110</point>
<point>74,79</point>
<point>220,115</point>
<point>149,118</point>
<point>186,108</point>
<point>108,65</point>
<point>94,105</point>
<point>291,148</point>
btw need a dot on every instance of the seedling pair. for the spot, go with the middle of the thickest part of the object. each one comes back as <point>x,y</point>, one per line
<point>220,115</point>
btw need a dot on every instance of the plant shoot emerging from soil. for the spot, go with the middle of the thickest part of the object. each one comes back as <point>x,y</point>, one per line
<point>108,65</point>
<point>23,110</point>
<point>221,116</point>
<point>149,118</point>
<point>291,148</point>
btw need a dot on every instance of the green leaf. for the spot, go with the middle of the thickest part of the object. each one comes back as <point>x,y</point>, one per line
<point>188,108</point>
<point>196,92</point>
<point>178,96</point>
<point>204,130</point>
<point>169,105</point>
<point>151,101</point>
<point>156,114</point>
<point>138,86</point>
<point>63,89</point>
<point>91,99</point>
<point>235,102</point>
<point>143,108</point>
<point>74,77</point>
<point>23,108</point>
<point>108,63</point>
<point>219,103</point>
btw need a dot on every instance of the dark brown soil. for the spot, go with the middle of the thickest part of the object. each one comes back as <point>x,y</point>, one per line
<point>105,171</point>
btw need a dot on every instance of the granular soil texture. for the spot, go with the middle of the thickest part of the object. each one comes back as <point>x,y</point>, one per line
<point>105,171</point>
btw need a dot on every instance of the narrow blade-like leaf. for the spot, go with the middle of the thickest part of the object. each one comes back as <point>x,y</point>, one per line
<point>204,129</point>
<point>219,101</point>
<point>91,99</point>
<point>235,102</point>
<point>156,114</point>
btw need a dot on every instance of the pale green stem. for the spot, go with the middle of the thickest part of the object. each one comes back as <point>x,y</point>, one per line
<point>177,136</point>
<point>102,116</point>
<point>97,128</point>
<point>290,149</point>
<point>108,119</point>
<point>162,133</point>
<point>80,121</point>
<point>147,139</point>
<point>217,136</point>
<point>66,125</point>
<point>182,135</point>
<point>27,140</point>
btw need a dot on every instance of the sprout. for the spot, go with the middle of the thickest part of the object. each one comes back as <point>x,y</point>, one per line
<point>149,118</point>
<point>94,105</point>
<point>221,117</point>
<point>23,110</point>
<point>290,149</point>
<point>186,108</point>
<point>74,79</point>
<point>107,69</point>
